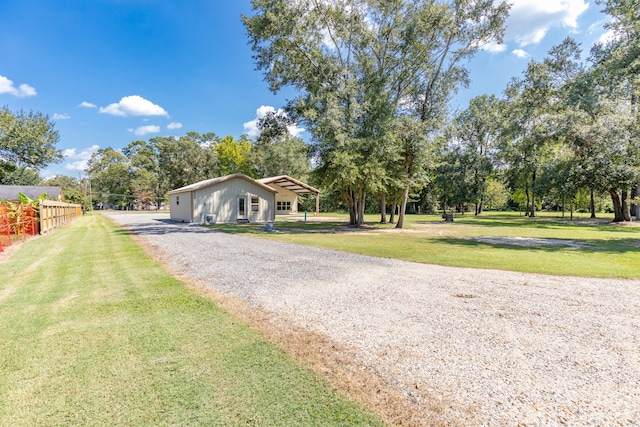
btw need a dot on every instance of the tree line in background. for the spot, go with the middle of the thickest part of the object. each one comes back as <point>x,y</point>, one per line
<point>375,78</point>
<point>374,81</point>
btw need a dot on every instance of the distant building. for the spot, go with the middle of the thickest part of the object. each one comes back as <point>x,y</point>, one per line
<point>10,192</point>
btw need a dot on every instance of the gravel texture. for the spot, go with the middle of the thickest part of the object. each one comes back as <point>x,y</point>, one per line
<point>499,348</point>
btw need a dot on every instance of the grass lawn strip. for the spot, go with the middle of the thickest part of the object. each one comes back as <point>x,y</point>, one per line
<point>554,246</point>
<point>96,333</point>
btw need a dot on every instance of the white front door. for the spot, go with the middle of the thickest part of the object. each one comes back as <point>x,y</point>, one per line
<point>242,207</point>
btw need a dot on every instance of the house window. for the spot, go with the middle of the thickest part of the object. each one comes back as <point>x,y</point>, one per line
<point>255,204</point>
<point>283,206</point>
<point>177,200</point>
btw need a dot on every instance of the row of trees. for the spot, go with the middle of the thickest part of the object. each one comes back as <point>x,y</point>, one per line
<point>375,79</point>
<point>144,171</point>
<point>566,127</point>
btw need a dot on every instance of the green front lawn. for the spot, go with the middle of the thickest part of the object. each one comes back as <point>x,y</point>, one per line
<point>582,247</point>
<point>95,333</point>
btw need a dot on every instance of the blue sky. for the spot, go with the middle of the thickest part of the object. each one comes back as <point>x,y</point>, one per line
<point>109,72</point>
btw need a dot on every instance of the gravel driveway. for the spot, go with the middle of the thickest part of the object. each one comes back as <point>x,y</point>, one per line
<point>495,347</point>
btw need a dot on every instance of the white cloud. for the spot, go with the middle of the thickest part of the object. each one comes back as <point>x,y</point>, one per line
<point>144,130</point>
<point>520,53</point>
<point>22,91</point>
<point>295,130</point>
<point>174,125</point>
<point>494,47</point>
<point>134,106</point>
<point>85,104</point>
<point>251,127</point>
<point>78,165</point>
<point>81,158</point>
<point>530,20</point>
<point>608,36</point>
<point>63,116</point>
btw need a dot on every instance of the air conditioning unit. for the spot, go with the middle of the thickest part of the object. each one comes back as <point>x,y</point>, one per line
<point>210,218</point>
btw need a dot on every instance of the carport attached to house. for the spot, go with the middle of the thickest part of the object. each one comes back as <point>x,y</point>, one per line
<point>285,185</point>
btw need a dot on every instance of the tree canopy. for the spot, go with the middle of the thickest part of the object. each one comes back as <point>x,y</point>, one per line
<point>27,141</point>
<point>364,71</point>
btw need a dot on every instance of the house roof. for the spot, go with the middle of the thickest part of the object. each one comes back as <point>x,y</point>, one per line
<point>10,192</point>
<point>209,182</point>
<point>291,184</point>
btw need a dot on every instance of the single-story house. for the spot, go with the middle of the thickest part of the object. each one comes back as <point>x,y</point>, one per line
<point>10,192</point>
<point>288,190</point>
<point>236,198</point>
<point>225,199</point>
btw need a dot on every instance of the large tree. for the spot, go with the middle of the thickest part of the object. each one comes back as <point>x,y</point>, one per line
<point>108,170</point>
<point>147,184</point>
<point>535,114</point>
<point>475,131</point>
<point>617,67</point>
<point>27,141</point>
<point>185,160</point>
<point>233,156</point>
<point>360,66</point>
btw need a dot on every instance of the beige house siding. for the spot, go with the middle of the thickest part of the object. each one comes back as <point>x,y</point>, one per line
<point>219,200</point>
<point>285,196</point>
<point>180,205</point>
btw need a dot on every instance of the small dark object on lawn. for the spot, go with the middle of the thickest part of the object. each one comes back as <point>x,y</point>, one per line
<point>448,217</point>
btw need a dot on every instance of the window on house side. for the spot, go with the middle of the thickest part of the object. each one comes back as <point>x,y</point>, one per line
<point>283,206</point>
<point>255,204</point>
<point>177,200</point>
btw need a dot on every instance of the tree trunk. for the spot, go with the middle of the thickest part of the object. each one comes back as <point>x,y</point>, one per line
<point>394,202</point>
<point>362,196</point>
<point>403,204</point>
<point>481,209</point>
<point>353,208</point>
<point>563,200</point>
<point>533,195</point>
<point>626,213</point>
<point>571,207</point>
<point>635,206</point>
<point>617,206</point>
<point>592,204</point>
<point>526,191</point>
<point>383,208</point>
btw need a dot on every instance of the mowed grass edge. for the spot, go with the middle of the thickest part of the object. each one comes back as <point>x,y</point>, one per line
<point>603,250</point>
<point>96,333</point>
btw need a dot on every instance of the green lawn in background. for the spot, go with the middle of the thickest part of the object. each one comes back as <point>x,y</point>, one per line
<point>95,333</point>
<point>605,250</point>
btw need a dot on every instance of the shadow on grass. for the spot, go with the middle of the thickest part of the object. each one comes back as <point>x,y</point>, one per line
<point>611,246</point>
<point>283,227</point>
<point>543,222</point>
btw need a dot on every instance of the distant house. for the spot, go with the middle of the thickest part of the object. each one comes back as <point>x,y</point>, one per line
<point>10,192</point>
<point>237,198</point>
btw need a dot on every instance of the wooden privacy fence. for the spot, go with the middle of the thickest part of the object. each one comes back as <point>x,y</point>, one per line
<point>54,214</point>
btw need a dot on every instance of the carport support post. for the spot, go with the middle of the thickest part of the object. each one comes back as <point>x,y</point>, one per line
<point>317,203</point>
